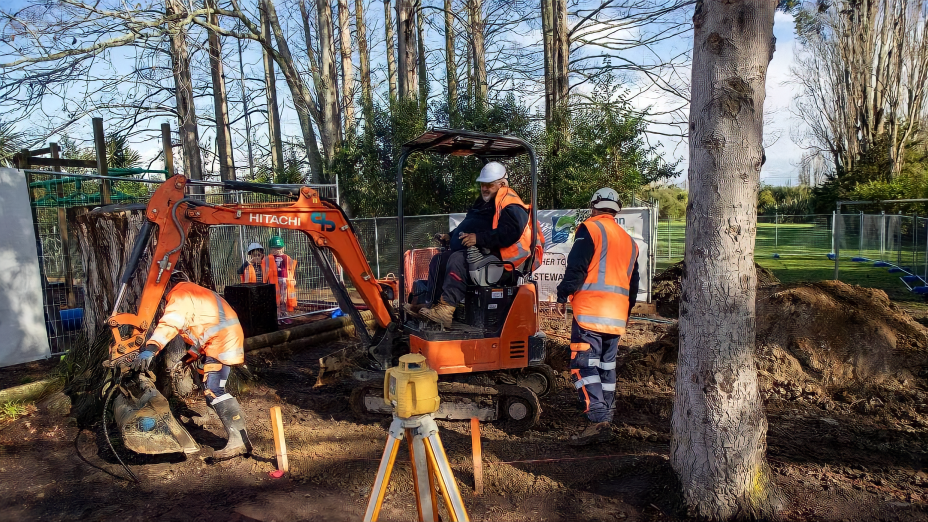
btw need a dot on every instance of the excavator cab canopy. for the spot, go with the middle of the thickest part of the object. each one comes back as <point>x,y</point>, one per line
<point>453,142</point>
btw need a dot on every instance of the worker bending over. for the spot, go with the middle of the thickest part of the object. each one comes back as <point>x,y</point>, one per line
<point>601,282</point>
<point>496,223</point>
<point>207,322</point>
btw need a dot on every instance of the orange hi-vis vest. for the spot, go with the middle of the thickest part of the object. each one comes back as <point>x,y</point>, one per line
<point>519,251</point>
<point>601,303</point>
<point>204,320</point>
<point>291,281</point>
<point>250,276</point>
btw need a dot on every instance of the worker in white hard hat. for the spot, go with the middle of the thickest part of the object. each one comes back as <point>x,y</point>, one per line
<point>256,267</point>
<point>496,224</point>
<point>601,282</point>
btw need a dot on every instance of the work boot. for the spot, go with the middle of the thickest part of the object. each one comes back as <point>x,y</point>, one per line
<point>414,310</point>
<point>230,413</point>
<point>442,313</point>
<point>598,432</point>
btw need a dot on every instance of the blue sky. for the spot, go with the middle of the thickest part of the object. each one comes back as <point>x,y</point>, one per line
<point>782,155</point>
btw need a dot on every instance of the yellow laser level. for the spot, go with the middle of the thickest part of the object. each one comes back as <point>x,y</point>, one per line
<point>412,390</point>
<point>412,387</point>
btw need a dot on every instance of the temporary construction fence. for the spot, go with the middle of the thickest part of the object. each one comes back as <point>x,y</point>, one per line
<point>63,276</point>
<point>896,243</point>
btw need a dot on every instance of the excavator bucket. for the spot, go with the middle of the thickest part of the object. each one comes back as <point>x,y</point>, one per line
<point>146,422</point>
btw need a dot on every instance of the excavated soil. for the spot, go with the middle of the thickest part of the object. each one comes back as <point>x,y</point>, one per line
<point>668,287</point>
<point>842,375</point>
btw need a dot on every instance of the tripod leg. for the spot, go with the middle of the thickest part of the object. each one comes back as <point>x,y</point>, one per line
<point>382,480</point>
<point>423,479</point>
<point>449,488</point>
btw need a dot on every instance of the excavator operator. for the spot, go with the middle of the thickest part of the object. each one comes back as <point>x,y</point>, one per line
<point>497,223</point>
<point>207,322</point>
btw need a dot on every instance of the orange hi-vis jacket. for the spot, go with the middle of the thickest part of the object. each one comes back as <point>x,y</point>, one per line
<point>250,276</point>
<point>204,320</point>
<point>291,281</point>
<point>519,251</point>
<point>601,303</point>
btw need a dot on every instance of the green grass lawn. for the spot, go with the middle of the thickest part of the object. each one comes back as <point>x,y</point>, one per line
<point>802,249</point>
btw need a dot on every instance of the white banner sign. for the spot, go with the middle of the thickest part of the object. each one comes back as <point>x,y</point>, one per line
<point>559,227</point>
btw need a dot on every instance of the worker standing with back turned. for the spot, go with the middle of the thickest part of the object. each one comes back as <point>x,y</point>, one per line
<point>208,323</point>
<point>601,282</point>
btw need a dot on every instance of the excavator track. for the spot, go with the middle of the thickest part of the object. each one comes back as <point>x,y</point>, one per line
<point>517,408</point>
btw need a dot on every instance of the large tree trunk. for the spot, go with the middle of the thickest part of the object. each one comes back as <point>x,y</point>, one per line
<point>406,50</point>
<point>275,140</point>
<point>391,58</point>
<point>718,425</point>
<point>220,101</point>
<point>451,71</point>
<point>330,124</point>
<point>183,94</point>
<point>299,92</point>
<point>344,37</point>
<point>475,12</point>
<point>367,100</point>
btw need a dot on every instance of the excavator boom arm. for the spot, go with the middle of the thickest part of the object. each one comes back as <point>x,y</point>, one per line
<point>323,221</point>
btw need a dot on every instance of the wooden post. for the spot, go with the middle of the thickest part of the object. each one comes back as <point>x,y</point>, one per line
<point>63,228</point>
<point>478,458</point>
<point>168,149</point>
<point>280,445</point>
<point>99,141</point>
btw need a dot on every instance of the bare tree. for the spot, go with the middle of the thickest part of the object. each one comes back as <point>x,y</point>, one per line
<point>451,73</point>
<point>183,85</point>
<point>718,444</point>
<point>407,50</point>
<point>423,66</point>
<point>391,46</point>
<point>220,102</point>
<point>270,87</point>
<point>344,37</point>
<point>863,67</point>
<point>329,119</point>
<point>478,49</point>
<point>367,100</point>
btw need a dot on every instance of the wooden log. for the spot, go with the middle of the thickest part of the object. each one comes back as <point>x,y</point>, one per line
<point>30,392</point>
<point>280,444</point>
<point>311,341</point>
<point>303,330</point>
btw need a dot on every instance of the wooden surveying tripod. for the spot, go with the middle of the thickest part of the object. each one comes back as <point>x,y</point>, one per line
<point>429,463</point>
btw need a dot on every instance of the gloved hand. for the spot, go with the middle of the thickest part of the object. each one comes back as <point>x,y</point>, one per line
<point>143,361</point>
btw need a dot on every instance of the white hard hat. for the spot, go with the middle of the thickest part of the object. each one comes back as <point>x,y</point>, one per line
<point>606,199</point>
<point>255,246</point>
<point>491,172</point>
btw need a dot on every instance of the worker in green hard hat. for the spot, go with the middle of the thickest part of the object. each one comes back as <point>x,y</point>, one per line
<point>286,279</point>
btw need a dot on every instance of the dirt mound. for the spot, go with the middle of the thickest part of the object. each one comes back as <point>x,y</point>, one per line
<point>667,287</point>
<point>832,334</point>
<point>817,338</point>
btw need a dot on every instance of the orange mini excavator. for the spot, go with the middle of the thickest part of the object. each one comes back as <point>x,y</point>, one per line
<point>491,356</point>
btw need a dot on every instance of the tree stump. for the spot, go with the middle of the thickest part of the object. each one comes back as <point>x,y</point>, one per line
<point>106,240</point>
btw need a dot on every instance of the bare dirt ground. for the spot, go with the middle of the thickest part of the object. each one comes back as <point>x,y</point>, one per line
<point>842,446</point>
